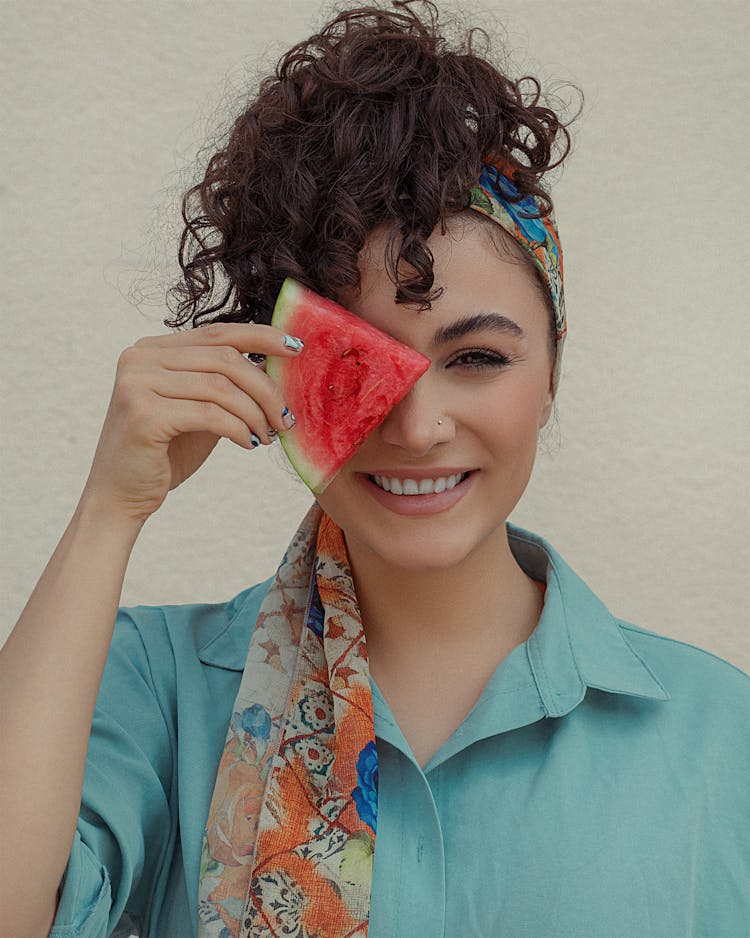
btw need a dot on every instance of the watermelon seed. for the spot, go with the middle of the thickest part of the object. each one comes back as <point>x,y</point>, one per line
<point>370,390</point>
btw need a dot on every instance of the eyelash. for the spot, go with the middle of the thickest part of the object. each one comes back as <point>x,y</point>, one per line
<point>490,361</point>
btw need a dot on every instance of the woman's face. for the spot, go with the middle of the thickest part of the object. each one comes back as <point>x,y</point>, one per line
<point>490,386</point>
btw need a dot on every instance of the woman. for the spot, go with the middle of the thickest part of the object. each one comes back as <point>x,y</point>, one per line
<point>425,723</point>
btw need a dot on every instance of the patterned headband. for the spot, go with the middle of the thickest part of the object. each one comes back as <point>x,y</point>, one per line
<point>496,196</point>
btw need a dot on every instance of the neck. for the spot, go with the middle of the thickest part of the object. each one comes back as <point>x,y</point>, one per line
<point>485,602</point>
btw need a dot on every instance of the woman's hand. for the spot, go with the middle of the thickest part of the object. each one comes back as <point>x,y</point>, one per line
<point>174,396</point>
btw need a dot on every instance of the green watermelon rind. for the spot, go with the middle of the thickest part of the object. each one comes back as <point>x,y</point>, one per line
<point>293,299</point>
<point>289,297</point>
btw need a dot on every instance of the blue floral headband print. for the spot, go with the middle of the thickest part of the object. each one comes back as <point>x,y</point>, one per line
<point>497,197</point>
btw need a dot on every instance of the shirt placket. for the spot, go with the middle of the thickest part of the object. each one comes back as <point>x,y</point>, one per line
<point>408,889</point>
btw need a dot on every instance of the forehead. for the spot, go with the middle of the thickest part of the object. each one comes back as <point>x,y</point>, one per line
<point>478,270</point>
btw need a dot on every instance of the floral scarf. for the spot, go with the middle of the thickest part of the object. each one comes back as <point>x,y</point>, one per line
<point>290,836</point>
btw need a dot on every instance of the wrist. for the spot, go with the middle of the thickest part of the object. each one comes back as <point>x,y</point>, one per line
<point>94,513</point>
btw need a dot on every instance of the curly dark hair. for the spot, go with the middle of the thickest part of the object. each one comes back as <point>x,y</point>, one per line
<point>373,120</point>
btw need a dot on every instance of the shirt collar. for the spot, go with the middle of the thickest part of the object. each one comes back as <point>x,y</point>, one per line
<point>577,643</point>
<point>225,641</point>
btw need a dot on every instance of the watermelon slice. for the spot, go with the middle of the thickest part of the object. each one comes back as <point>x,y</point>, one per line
<point>341,385</point>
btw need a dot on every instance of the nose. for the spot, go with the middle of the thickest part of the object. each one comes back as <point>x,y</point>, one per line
<point>420,421</point>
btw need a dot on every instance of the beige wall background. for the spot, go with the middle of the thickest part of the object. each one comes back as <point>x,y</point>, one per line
<point>643,488</point>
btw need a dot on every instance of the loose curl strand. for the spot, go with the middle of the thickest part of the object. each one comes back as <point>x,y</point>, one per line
<point>373,120</point>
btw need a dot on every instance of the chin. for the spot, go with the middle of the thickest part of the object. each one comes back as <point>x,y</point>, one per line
<point>432,561</point>
<point>421,553</point>
<point>412,544</point>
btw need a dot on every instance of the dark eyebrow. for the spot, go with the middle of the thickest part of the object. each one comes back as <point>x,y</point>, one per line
<point>477,322</point>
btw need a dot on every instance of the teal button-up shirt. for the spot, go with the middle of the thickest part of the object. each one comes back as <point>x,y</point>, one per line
<point>599,788</point>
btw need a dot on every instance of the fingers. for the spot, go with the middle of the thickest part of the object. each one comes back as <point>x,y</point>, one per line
<point>243,336</point>
<point>175,367</point>
<point>259,410</point>
<point>185,416</point>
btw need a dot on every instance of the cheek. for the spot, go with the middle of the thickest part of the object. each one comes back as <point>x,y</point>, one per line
<point>514,417</point>
<point>337,501</point>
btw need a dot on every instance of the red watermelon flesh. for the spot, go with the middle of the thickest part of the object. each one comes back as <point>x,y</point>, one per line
<point>340,386</point>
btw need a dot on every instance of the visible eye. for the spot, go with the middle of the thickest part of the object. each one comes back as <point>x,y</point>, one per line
<point>480,359</point>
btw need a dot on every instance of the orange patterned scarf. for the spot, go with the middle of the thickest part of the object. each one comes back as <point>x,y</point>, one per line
<point>290,836</point>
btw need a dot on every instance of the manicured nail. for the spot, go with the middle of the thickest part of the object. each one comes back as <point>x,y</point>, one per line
<point>292,342</point>
<point>288,417</point>
<point>272,433</point>
<point>254,439</point>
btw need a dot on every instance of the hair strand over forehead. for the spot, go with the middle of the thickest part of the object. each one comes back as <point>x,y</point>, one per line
<point>374,120</point>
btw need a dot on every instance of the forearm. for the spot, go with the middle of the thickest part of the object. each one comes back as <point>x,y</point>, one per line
<point>50,672</point>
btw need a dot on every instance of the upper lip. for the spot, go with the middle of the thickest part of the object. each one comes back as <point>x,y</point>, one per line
<point>418,474</point>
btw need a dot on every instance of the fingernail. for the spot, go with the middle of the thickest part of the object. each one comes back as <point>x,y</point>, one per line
<point>292,342</point>
<point>254,439</point>
<point>272,433</point>
<point>288,417</point>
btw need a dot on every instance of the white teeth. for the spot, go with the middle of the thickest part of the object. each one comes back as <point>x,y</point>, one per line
<point>412,487</point>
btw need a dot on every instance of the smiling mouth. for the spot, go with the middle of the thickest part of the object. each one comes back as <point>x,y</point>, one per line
<point>418,487</point>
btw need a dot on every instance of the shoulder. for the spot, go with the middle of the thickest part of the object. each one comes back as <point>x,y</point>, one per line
<point>686,664</point>
<point>707,694</point>
<point>167,637</point>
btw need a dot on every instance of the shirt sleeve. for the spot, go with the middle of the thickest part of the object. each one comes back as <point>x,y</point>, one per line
<point>125,832</point>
